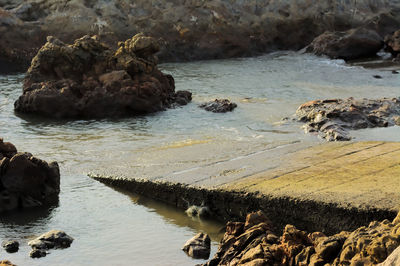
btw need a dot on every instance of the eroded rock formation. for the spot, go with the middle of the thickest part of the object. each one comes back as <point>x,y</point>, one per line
<point>255,243</point>
<point>89,80</point>
<point>332,119</point>
<point>392,43</point>
<point>194,29</point>
<point>26,181</point>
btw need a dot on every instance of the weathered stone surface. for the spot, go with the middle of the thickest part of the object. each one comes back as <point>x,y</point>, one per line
<point>393,259</point>
<point>87,79</point>
<point>26,181</point>
<point>11,246</point>
<point>6,263</point>
<point>219,106</point>
<point>333,118</point>
<point>194,29</point>
<point>347,45</point>
<point>392,43</point>
<point>51,239</point>
<point>198,247</point>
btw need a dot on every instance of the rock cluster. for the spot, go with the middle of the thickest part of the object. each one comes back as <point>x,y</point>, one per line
<point>89,80</point>
<point>191,29</point>
<point>219,106</point>
<point>198,247</point>
<point>347,45</point>
<point>11,246</point>
<point>392,43</point>
<point>254,243</point>
<point>333,118</point>
<point>52,239</point>
<point>26,181</point>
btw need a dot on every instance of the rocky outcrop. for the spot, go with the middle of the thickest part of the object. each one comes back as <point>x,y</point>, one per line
<point>198,247</point>
<point>11,246</point>
<point>333,118</point>
<point>219,106</point>
<point>347,45</point>
<point>254,243</point>
<point>26,181</point>
<point>194,29</point>
<point>392,43</point>
<point>52,239</point>
<point>393,259</point>
<point>89,80</point>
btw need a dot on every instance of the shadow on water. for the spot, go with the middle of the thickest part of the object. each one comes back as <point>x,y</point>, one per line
<point>176,216</point>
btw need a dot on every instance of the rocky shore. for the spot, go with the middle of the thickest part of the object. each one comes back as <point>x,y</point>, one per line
<point>87,79</point>
<point>255,242</point>
<point>26,181</point>
<point>189,30</point>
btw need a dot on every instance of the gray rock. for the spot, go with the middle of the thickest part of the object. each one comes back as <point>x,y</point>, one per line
<point>38,253</point>
<point>51,239</point>
<point>198,247</point>
<point>11,246</point>
<point>219,106</point>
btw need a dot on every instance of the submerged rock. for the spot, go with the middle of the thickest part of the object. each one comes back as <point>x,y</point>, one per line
<point>198,247</point>
<point>219,106</point>
<point>11,246</point>
<point>26,181</point>
<point>52,239</point>
<point>89,80</point>
<point>333,118</point>
<point>258,245</point>
<point>347,45</point>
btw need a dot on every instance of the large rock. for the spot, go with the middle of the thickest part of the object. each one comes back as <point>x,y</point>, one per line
<point>392,43</point>
<point>26,181</point>
<point>333,118</point>
<point>198,247</point>
<point>219,106</point>
<point>194,29</point>
<point>87,79</point>
<point>347,45</point>
<point>53,239</point>
<point>11,246</point>
<point>393,259</point>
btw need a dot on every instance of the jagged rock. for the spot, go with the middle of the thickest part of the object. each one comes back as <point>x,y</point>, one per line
<point>87,79</point>
<point>26,181</point>
<point>11,246</point>
<point>333,118</point>
<point>392,43</point>
<point>219,106</point>
<point>52,239</point>
<point>347,45</point>
<point>198,247</point>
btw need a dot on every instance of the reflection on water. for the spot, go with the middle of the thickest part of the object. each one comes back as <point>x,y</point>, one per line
<point>133,230</point>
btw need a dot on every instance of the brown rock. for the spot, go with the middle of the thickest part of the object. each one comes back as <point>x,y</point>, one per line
<point>393,259</point>
<point>6,263</point>
<point>7,149</point>
<point>256,218</point>
<point>198,247</point>
<point>392,43</point>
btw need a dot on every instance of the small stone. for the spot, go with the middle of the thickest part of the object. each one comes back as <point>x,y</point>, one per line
<point>198,247</point>
<point>11,246</point>
<point>377,76</point>
<point>38,253</point>
<point>6,263</point>
<point>219,106</point>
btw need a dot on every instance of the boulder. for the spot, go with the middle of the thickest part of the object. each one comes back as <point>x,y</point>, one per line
<point>198,247</point>
<point>11,246</point>
<point>219,106</point>
<point>393,259</point>
<point>87,79</point>
<point>347,45</point>
<point>52,239</point>
<point>26,181</point>
<point>333,118</point>
<point>392,43</point>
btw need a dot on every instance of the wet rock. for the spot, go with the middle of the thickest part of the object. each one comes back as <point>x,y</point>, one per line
<point>52,239</point>
<point>347,45</point>
<point>26,181</point>
<point>11,246</point>
<point>333,118</point>
<point>38,253</point>
<point>392,43</point>
<point>219,106</point>
<point>90,80</point>
<point>183,97</point>
<point>198,247</point>
<point>6,263</point>
<point>377,76</point>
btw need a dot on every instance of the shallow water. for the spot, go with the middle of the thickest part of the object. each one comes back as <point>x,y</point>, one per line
<point>110,227</point>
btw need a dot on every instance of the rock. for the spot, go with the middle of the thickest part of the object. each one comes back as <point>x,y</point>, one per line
<point>52,239</point>
<point>347,45</point>
<point>198,247</point>
<point>26,181</point>
<point>11,246</point>
<point>393,259</point>
<point>38,253</point>
<point>377,76</point>
<point>256,218</point>
<point>89,80</point>
<point>333,118</point>
<point>219,106</point>
<point>392,43</point>
<point>6,263</point>
<point>183,97</point>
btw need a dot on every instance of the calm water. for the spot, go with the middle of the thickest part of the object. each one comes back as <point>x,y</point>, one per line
<point>112,228</point>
